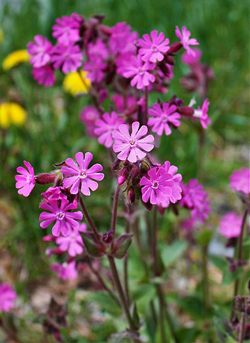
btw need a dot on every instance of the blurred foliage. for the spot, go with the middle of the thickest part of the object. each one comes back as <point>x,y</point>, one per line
<point>53,132</point>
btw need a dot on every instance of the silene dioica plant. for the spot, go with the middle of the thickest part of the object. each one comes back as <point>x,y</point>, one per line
<point>114,63</point>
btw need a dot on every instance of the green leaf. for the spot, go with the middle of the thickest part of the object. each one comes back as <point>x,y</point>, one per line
<point>172,252</point>
<point>219,262</point>
<point>229,277</point>
<point>105,302</point>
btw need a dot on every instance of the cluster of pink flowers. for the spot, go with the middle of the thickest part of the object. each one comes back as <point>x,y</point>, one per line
<point>194,198</point>
<point>230,225</point>
<point>7,297</point>
<point>60,203</point>
<point>125,69</point>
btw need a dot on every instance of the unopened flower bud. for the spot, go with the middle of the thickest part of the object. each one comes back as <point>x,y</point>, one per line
<point>44,179</point>
<point>108,237</point>
<point>169,60</point>
<point>131,195</point>
<point>174,48</point>
<point>186,111</point>
<point>144,167</point>
<point>122,175</point>
<point>48,238</point>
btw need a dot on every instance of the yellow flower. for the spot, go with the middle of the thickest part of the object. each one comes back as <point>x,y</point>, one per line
<point>11,113</point>
<point>15,58</point>
<point>1,35</point>
<point>74,84</point>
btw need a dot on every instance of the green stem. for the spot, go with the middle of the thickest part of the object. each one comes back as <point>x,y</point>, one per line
<point>239,257</point>
<point>89,220</point>
<point>205,279</point>
<point>121,293</point>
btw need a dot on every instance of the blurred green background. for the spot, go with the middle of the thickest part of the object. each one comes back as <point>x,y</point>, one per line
<point>53,131</point>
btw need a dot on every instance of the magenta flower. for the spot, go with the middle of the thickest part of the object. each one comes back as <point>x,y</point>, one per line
<point>7,297</point>
<point>139,72</point>
<point>67,57</point>
<point>163,115</point>
<point>54,193</point>
<point>191,59</point>
<point>60,213</point>
<point>122,102</point>
<point>73,243</point>
<point>201,114</point>
<point>153,48</point>
<point>95,67</point>
<point>26,181</point>
<point>89,115</point>
<point>132,146</point>
<point>106,126</point>
<point>79,176</point>
<point>67,29</point>
<point>44,76</point>
<point>98,49</point>
<point>66,271</point>
<point>157,187</point>
<point>176,193</point>
<point>230,225</point>
<point>122,39</point>
<point>240,181</point>
<point>185,39</point>
<point>40,51</point>
<point>195,198</point>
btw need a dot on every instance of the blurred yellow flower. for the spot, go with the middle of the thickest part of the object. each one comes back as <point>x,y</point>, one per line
<point>74,84</point>
<point>1,35</point>
<point>15,58</point>
<point>11,113</point>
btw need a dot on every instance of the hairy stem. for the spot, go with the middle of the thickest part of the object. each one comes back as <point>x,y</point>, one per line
<point>88,218</point>
<point>125,269</point>
<point>121,293</point>
<point>162,302</point>
<point>114,210</point>
<point>242,329</point>
<point>103,283</point>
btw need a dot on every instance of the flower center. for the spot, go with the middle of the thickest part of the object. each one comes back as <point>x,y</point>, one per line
<point>132,143</point>
<point>83,174</point>
<point>164,118</point>
<point>141,71</point>
<point>154,48</point>
<point>155,184</point>
<point>60,215</point>
<point>28,178</point>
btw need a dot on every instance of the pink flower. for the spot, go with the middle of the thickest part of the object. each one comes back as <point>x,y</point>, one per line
<point>139,72</point>
<point>66,271</point>
<point>78,175</point>
<point>98,49</point>
<point>230,225</point>
<point>89,115</point>
<point>122,103</point>
<point>185,40</point>
<point>7,297</point>
<point>195,198</point>
<point>240,181</point>
<point>44,76</point>
<point>67,57</point>
<point>73,243</point>
<point>163,115</point>
<point>26,181</point>
<point>122,39</point>
<point>191,59</point>
<point>40,51</point>
<point>176,193</point>
<point>106,126</point>
<point>201,114</point>
<point>132,146</point>
<point>159,187</point>
<point>60,213</point>
<point>154,48</point>
<point>95,67</point>
<point>67,29</point>
<point>54,193</point>
<point>188,224</point>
